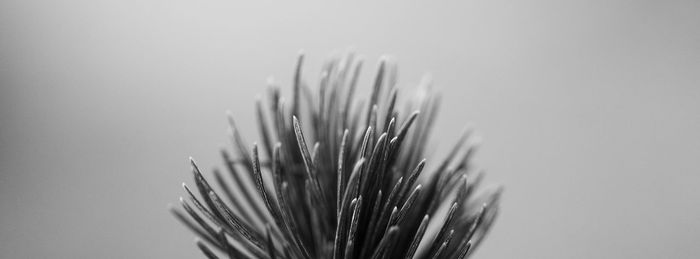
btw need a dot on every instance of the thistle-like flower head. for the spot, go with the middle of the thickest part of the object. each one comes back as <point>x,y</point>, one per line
<point>338,178</point>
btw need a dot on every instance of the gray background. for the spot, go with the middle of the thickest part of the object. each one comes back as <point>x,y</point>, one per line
<point>589,111</point>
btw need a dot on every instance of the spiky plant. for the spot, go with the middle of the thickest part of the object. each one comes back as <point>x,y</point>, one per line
<point>352,184</point>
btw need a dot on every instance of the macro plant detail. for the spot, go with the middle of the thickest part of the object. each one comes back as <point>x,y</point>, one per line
<point>338,177</point>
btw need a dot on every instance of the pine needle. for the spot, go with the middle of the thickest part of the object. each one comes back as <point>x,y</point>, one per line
<point>362,190</point>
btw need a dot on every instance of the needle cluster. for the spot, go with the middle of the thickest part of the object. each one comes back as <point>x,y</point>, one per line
<point>335,177</point>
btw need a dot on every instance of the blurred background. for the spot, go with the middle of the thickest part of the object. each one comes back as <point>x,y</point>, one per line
<point>589,113</point>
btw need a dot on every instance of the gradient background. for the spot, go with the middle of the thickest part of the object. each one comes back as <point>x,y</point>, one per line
<point>589,111</point>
